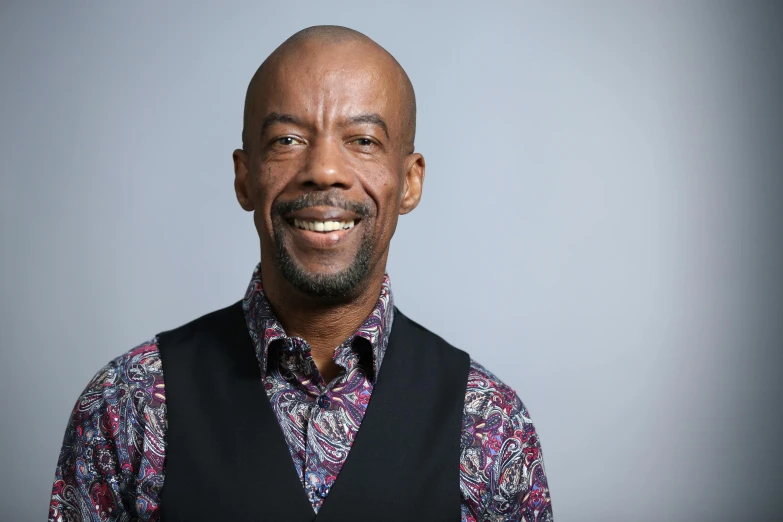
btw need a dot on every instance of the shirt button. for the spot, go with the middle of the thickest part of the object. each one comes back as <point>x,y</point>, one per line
<point>322,490</point>
<point>323,401</point>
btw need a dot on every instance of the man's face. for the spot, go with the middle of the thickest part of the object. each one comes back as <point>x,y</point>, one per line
<point>327,171</point>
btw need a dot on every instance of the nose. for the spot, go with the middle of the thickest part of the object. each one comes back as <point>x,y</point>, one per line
<point>325,167</point>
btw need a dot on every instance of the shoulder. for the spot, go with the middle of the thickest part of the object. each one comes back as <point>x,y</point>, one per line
<point>494,417</point>
<point>124,409</point>
<point>486,393</point>
<point>501,466</point>
<point>412,331</point>
<point>128,392</point>
<point>137,371</point>
<point>113,449</point>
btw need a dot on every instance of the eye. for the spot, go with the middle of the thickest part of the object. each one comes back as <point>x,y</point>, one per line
<point>363,142</point>
<point>287,141</point>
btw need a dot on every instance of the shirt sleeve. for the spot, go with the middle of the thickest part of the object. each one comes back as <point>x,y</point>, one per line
<point>502,471</point>
<point>111,461</point>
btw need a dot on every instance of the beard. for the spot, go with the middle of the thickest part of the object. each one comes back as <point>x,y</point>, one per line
<point>345,283</point>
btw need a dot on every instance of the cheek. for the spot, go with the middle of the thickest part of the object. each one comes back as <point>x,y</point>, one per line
<point>394,187</point>
<point>266,185</point>
<point>386,190</point>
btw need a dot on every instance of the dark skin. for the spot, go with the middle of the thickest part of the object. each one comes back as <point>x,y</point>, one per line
<point>327,116</point>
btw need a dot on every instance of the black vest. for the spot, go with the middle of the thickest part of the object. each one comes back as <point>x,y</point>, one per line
<point>227,458</point>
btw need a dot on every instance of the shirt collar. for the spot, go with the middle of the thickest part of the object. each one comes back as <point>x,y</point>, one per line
<point>265,329</point>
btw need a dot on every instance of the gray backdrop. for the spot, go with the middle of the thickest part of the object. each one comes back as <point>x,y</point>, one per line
<point>599,224</point>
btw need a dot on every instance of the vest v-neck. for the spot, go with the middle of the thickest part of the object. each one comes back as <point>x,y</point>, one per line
<point>227,457</point>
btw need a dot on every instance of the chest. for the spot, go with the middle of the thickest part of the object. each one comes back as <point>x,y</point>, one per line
<point>229,457</point>
<point>319,420</point>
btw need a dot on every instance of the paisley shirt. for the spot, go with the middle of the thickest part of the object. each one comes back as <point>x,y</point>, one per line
<point>112,463</point>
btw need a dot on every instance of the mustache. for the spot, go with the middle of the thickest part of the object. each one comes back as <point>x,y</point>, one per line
<point>321,199</point>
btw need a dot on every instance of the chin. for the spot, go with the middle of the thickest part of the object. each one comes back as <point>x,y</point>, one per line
<point>325,281</point>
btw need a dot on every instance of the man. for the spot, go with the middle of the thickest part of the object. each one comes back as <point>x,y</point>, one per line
<point>312,396</point>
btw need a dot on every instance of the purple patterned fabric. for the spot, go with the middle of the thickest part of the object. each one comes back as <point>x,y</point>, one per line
<point>111,466</point>
<point>319,420</point>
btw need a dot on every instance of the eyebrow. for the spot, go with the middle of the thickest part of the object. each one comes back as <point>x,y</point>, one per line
<point>276,117</point>
<point>372,119</point>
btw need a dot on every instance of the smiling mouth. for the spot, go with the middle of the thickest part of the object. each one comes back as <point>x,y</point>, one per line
<point>324,226</point>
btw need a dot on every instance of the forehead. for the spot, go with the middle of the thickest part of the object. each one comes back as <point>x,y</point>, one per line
<point>327,82</point>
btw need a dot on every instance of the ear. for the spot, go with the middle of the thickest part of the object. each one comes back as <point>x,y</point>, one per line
<point>242,178</point>
<point>414,180</point>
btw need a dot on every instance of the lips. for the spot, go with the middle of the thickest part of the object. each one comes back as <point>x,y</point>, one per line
<point>322,227</point>
<point>322,219</point>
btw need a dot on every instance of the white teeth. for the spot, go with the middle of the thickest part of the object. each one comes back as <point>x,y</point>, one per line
<point>323,226</point>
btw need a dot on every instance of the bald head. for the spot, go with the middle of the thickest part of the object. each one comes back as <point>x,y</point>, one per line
<point>324,38</point>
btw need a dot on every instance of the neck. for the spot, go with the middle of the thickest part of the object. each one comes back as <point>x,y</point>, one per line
<point>323,323</point>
